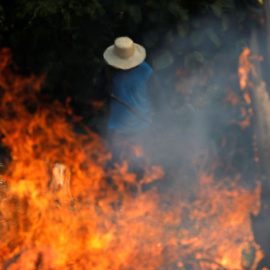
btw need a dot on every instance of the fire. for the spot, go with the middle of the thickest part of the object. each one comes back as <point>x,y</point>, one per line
<point>231,97</point>
<point>245,67</point>
<point>103,219</point>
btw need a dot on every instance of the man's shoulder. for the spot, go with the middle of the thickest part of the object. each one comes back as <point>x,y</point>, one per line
<point>143,70</point>
<point>146,66</point>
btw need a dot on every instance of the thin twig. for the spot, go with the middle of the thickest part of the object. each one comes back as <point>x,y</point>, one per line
<point>131,109</point>
<point>13,260</point>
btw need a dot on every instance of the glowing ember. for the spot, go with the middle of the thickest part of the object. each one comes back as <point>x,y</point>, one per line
<point>106,221</point>
<point>245,67</point>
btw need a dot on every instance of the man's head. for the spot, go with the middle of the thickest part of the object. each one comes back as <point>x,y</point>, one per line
<point>124,54</point>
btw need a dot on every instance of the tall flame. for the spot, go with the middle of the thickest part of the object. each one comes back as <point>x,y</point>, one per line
<point>106,221</point>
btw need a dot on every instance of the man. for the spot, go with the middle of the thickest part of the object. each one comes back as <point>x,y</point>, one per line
<point>133,90</point>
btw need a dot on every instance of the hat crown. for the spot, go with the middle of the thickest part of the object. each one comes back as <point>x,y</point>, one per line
<point>124,47</point>
<point>124,53</point>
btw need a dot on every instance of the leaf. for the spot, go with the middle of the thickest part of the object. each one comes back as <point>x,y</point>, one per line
<point>169,36</point>
<point>99,8</point>
<point>67,19</point>
<point>173,8</point>
<point>198,57</point>
<point>219,6</point>
<point>182,29</point>
<point>227,3</point>
<point>196,23</point>
<point>71,5</point>
<point>150,38</point>
<point>213,37</point>
<point>194,60</point>
<point>36,11</point>
<point>217,10</point>
<point>240,44</point>
<point>184,15</point>
<point>152,4</point>
<point>135,13</point>
<point>179,51</point>
<point>241,15</point>
<point>119,5</point>
<point>163,60</point>
<point>225,23</point>
<point>196,38</point>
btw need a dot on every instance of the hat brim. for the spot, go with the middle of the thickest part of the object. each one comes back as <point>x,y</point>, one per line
<point>136,59</point>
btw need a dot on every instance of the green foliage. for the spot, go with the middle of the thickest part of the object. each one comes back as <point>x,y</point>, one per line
<point>66,38</point>
<point>213,36</point>
<point>193,60</point>
<point>135,13</point>
<point>48,8</point>
<point>220,6</point>
<point>163,60</point>
<point>58,37</point>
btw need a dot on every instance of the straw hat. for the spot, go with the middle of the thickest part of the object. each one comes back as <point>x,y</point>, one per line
<point>124,54</point>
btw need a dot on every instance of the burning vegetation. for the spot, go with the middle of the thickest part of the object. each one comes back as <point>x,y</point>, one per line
<point>63,207</point>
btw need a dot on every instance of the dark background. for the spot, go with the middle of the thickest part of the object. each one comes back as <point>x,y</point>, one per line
<point>66,38</point>
<point>193,46</point>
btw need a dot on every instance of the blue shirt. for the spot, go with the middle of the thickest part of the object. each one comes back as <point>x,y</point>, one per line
<point>130,86</point>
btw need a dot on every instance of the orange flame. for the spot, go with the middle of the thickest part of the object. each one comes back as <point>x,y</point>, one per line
<point>245,67</point>
<point>107,221</point>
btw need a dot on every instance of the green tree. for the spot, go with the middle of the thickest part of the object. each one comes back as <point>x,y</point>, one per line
<point>66,38</point>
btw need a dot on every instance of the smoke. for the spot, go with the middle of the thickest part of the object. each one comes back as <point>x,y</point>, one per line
<point>196,130</point>
<point>196,125</point>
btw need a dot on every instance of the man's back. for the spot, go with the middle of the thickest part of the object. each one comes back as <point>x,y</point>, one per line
<point>130,86</point>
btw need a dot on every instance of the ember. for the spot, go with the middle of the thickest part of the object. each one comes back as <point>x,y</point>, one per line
<point>102,219</point>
